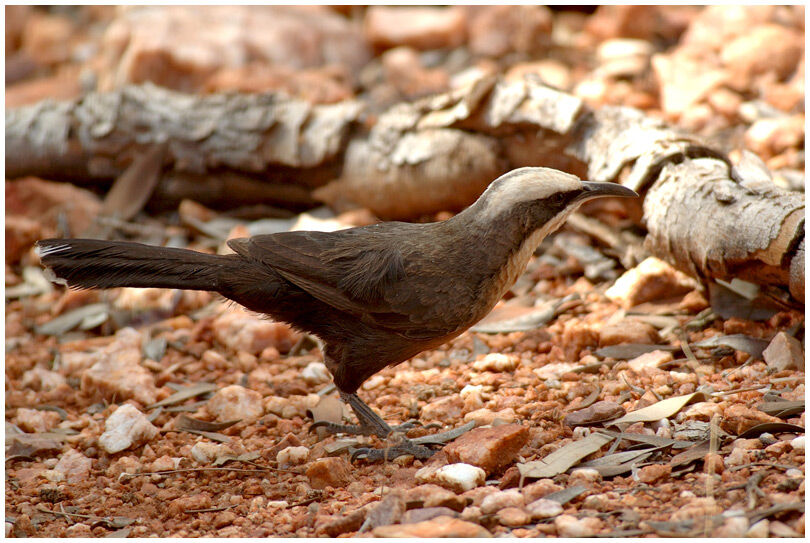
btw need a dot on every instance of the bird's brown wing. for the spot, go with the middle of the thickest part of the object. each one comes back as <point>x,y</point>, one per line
<point>366,272</point>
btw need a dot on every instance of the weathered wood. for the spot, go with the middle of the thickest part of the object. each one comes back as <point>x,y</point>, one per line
<point>98,135</point>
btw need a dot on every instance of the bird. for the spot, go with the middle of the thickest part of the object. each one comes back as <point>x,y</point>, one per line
<point>374,295</point>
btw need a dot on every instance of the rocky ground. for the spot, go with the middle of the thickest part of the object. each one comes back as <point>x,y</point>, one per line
<point>605,401</point>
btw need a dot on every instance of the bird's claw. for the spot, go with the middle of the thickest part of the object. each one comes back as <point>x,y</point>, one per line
<point>406,447</point>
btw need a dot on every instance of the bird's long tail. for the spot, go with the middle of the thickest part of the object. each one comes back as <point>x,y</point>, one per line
<point>92,263</point>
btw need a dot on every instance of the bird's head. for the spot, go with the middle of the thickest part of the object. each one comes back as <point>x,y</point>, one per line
<point>540,197</point>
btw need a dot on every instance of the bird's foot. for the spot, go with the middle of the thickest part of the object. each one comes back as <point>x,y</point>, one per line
<point>363,429</point>
<point>403,448</point>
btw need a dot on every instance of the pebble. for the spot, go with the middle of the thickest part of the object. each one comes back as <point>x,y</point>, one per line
<point>540,489</point>
<point>42,379</point>
<point>485,417</point>
<point>127,427</point>
<point>697,508</point>
<point>489,448</point>
<point>798,443</point>
<point>784,352</point>
<point>737,418</point>
<point>205,451</point>
<point>495,31</point>
<point>240,331</point>
<point>543,509</point>
<point>571,526</point>
<point>235,402</point>
<point>627,331</point>
<point>586,475</point>
<point>315,373</point>
<point>598,502</point>
<point>764,48</point>
<point>472,513</point>
<point>496,362</point>
<point>652,359</point>
<point>512,516</point>
<point>501,500</point>
<point>445,410</point>
<point>432,496</point>
<point>458,477</point>
<point>737,457</point>
<point>331,471</point>
<point>438,527</point>
<point>34,420</point>
<point>292,456</point>
<point>73,466</point>
<point>654,473</point>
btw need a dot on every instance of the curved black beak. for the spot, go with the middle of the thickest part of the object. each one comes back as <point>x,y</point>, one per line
<point>592,189</point>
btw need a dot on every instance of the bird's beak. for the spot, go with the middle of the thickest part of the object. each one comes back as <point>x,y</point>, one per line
<point>592,189</point>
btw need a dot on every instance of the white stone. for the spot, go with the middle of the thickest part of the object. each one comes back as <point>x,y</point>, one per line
<point>571,526</point>
<point>586,474</point>
<point>794,473</point>
<point>543,509</point>
<point>73,466</point>
<point>784,352</point>
<point>126,428</point>
<point>496,362</point>
<point>205,451</point>
<point>737,457</point>
<point>652,359</point>
<point>457,477</point>
<point>315,373</point>
<point>500,500</point>
<point>798,443</point>
<point>292,456</point>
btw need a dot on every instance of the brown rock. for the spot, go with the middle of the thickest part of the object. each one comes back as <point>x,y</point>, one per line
<point>512,516</point>
<point>418,27</point>
<point>118,374</point>
<point>235,402</point>
<point>437,527</point>
<point>224,518</point>
<point>498,30</point>
<point>446,410</point>
<point>738,418</point>
<point>642,22</point>
<point>540,489</point>
<point>654,473</point>
<point>64,85</point>
<point>74,466</point>
<point>344,524</point>
<point>653,279</point>
<point>627,331</point>
<point>388,511</point>
<point>46,38</point>
<point>189,503</point>
<point>44,201</point>
<point>34,420</point>
<point>491,449</point>
<point>21,233</point>
<point>434,496</point>
<point>405,72</point>
<point>421,515</point>
<point>784,352</point>
<point>765,48</point>
<point>180,47</point>
<point>652,359</point>
<point>598,412</point>
<point>771,136</point>
<point>330,471</point>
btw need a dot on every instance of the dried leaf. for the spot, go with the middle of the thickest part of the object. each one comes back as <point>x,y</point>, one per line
<point>560,460</point>
<point>247,457</point>
<point>132,189</point>
<point>655,441</point>
<point>782,409</point>
<point>612,471</point>
<point>79,317</point>
<point>528,318</point>
<point>628,351</point>
<point>30,445</point>
<point>738,342</point>
<point>696,452</point>
<point>186,423</point>
<point>657,411</point>
<point>771,428</point>
<point>185,394</point>
<point>597,413</point>
<point>566,495</point>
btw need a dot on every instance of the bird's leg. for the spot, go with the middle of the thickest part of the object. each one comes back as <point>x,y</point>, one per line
<point>371,424</point>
